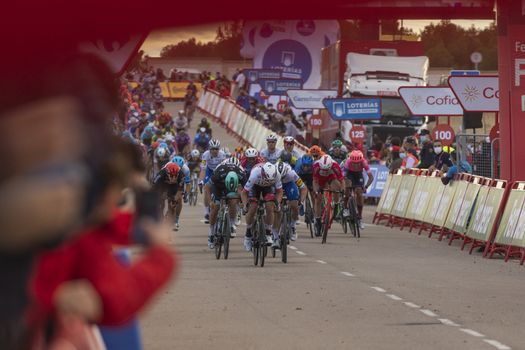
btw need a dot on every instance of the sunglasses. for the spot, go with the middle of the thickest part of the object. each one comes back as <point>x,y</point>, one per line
<point>270,141</point>
<point>214,149</point>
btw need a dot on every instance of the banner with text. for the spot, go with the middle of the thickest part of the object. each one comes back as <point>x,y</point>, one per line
<point>436,101</point>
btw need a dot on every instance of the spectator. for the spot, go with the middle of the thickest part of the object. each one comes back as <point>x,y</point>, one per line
<point>239,82</point>
<point>427,155</point>
<point>458,167</point>
<point>160,75</point>
<point>395,161</point>
<point>442,161</point>
<point>243,100</point>
<point>409,154</point>
<point>173,74</point>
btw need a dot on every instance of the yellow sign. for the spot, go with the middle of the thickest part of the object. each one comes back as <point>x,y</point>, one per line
<point>178,89</point>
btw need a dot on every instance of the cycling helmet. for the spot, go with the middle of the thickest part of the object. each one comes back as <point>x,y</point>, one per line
<point>133,121</point>
<point>271,137</point>
<point>356,156</point>
<point>202,129</point>
<point>307,160</point>
<point>282,169</point>
<point>181,112</point>
<point>286,157</point>
<point>337,143</point>
<point>169,137</point>
<point>204,120</point>
<point>234,161</point>
<point>172,169</point>
<point>269,171</point>
<point>251,153</point>
<point>178,160</point>
<point>325,162</point>
<point>289,139</point>
<point>161,152</point>
<point>238,149</point>
<point>195,153</point>
<point>226,151</point>
<point>231,181</point>
<point>214,144</point>
<point>315,150</point>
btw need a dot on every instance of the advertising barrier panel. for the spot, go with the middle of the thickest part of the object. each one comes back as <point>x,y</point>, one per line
<point>383,194</point>
<point>420,199</point>
<point>456,203</point>
<point>436,193</point>
<point>391,194</point>
<point>469,199</point>
<point>509,221</point>
<point>164,90</point>
<point>445,204</point>
<point>403,196</point>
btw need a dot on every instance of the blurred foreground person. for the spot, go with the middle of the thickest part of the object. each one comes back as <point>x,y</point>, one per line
<point>54,116</point>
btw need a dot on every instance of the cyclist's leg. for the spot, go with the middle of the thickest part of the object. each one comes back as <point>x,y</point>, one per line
<point>317,207</point>
<point>178,207</point>
<point>360,200</point>
<point>207,194</point>
<point>253,196</point>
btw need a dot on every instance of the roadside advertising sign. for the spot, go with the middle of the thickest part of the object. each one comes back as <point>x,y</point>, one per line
<point>476,93</point>
<point>353,108</point>
<point>357,133</point>
<point>380,173</point>
<point>279,86</point>
<point>433,101</point>
<point>253,75</point>
<point>436,193</point>
<point>507,229</point>
<point>444,133</point>
<point>404,194</point>
<point>309,99</point>
<point>419,200</point>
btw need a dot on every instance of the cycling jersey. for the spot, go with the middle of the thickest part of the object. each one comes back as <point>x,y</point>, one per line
<point>163,182</point>
<point>212,162</point>
<point>271,157</point>
<point>219,175</point>
<point>291,176</point>
<point>256,179</point>
<point>306,173</point>
<point>248,167</point>
<point>193,164</point>
<point>322,177</point>
<point>339,158</point>
<point>201,140</point>
<point>186,172</point>
<point>356,167</point>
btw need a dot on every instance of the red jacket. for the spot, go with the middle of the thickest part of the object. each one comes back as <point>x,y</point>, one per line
<point>123,289</point>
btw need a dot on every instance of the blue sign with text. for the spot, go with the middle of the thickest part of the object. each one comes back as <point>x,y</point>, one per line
<point>380,173</point>
<point>353,108</point>
<point>279,86</point>
<point>464,72</point>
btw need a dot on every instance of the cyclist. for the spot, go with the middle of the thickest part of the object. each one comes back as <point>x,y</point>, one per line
<point>304,168</point>
<point>289,143</point>
<point>288,158</point>
<point>225,182</point>
<point>182,141</point>
<point>295,191</point>
<point>336,152</point>
<point>181,122</point>
<point>316,152</point>
<point>201,140</point>
<point>353,173</point>
<point>326,175</point>
<point>193,161</point>
<point>210,160</point>
<point>161,158</point>
<point>263,182</point>
<point>185,170</point>
<point>169,182</point>
<point>250,159</point>
<point>271,153</point>
<point>206,125</point>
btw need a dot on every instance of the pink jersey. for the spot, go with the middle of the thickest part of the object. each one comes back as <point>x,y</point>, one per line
<point>355,167</point>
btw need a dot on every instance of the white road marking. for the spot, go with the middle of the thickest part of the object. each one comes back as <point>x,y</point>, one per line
<point>394,297</point>
<point>472,332</point>
<point>300,252</point>
<point>292,247</point>
<point>428,312</point>
<point>412,305</point>
<point>378,289</point>
<point>497,344</point>
<point>448,322</point>
<point>321,262</point>
<point>348,274</point>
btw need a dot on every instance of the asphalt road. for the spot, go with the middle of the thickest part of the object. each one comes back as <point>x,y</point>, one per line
<point>389,290</point>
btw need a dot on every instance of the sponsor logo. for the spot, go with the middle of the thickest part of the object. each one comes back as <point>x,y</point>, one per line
<point>416,101</point>
<point>470,93</point>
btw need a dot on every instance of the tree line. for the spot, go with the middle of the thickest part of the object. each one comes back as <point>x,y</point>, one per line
<point>446,44</point>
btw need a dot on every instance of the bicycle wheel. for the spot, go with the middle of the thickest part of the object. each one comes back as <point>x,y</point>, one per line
<point>263,248</point>
<point>218,246</point>
<point>226,228</point>
<point>353,218</point>
<point>309,217</point>
<point>283,237</point>
<point>255,250</point>
<point>326,220</point>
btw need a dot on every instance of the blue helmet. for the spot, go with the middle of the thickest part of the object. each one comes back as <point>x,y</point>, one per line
<point>307,160</point>
<point>178,160</point>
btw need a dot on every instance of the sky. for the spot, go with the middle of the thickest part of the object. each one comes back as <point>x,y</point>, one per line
<point>205,33</point>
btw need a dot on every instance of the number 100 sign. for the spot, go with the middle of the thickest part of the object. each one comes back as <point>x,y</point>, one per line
<point>444,133</point>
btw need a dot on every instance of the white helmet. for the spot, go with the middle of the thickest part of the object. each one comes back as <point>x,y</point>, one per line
<point>325,162</point>
<point>162,152</point>
<point>282,169</point>
<point>271,137</point>
<point>226,151</point>
<point>181,112</point>
<point>289,139</point>
<point>251,153</point>
<point>202,129</point>
<point>214,143</point>
<point>233,160</point>
<point>195,153</point>
<point>269,171</point>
